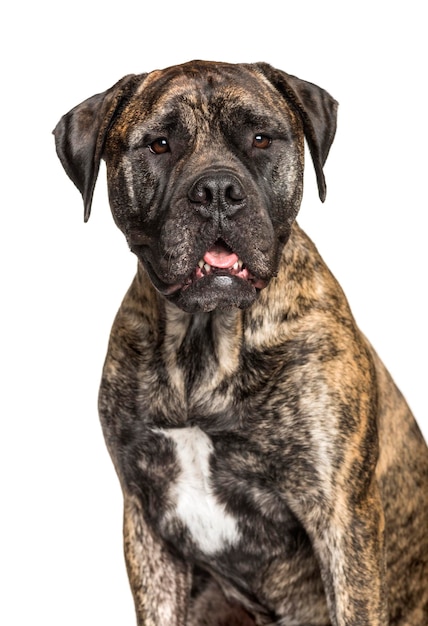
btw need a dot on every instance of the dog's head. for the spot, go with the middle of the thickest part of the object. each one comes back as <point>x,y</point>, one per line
<point>205,171</point>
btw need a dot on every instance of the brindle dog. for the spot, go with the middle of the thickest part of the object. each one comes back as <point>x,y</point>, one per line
<point>272,472</point>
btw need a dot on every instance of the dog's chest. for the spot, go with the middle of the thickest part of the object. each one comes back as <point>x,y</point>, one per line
<point>193,495</point>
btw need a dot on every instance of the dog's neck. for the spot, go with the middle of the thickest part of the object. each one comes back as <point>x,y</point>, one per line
<point>215,339</point>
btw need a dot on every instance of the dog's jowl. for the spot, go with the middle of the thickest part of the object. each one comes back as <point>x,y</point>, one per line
<point>272,472</point>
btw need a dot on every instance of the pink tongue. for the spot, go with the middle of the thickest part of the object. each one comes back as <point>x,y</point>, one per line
<point>218,256</point>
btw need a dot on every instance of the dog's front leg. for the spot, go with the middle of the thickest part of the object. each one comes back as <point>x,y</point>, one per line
<point>160,582</point>
<point>350,550</point>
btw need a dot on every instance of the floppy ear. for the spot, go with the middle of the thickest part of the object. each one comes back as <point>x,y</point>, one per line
<point>80,136</point>
<point>317,110</point>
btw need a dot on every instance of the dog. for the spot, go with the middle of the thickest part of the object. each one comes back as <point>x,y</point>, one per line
<point>272,472</point>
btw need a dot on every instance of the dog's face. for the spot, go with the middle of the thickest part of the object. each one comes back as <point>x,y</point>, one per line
<point>205,178</point>
<point>205,172</point>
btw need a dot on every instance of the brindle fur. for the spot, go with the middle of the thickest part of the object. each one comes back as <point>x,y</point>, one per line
<point>315,453</point>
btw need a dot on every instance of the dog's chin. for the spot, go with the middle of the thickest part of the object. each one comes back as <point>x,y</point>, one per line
<point>215,292</point>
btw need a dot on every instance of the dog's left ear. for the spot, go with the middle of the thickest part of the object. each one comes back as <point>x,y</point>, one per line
<point>317,110</point>
<point>80,136</point>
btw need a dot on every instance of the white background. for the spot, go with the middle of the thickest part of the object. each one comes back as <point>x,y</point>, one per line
<point>62,281</point>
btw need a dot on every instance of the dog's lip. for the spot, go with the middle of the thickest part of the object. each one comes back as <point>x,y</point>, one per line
<point>218,260</point>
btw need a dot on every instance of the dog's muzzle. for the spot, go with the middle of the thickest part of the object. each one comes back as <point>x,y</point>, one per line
<point>221,278</point>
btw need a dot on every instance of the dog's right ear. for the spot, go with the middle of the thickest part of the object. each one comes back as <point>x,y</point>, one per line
<point>80,135</point>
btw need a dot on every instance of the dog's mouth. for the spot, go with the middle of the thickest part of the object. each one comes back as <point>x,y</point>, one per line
<point>219,260</point>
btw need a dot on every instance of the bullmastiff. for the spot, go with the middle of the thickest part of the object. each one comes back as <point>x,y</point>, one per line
<point>272,472</point>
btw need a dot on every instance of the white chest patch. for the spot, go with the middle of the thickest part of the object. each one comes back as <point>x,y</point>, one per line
<point>206,519</point>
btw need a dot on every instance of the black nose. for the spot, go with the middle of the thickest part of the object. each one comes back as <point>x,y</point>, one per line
<point>217,192</point>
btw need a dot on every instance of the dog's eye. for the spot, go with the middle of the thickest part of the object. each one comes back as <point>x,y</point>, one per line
<point>159,146</point>
<point>261,141</point>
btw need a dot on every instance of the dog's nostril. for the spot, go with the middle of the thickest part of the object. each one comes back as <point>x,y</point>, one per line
<point>201,193</point>
<point>234,193</point>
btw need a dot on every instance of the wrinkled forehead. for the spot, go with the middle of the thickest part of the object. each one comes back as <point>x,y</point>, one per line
<point>206,80</point>
<point>202,91</point>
